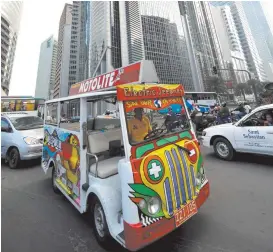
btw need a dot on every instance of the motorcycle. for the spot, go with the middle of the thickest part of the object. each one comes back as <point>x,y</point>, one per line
<point>202,121</point>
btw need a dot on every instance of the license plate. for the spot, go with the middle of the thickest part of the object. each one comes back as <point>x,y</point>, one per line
<point>185,213</point>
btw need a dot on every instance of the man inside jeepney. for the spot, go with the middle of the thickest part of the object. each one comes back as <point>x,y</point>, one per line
<point>139,126</point>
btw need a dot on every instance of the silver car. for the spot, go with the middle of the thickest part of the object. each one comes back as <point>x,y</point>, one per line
<point>21,138</point>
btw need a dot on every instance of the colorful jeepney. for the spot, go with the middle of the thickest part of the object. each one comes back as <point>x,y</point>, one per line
<point>140,174</point>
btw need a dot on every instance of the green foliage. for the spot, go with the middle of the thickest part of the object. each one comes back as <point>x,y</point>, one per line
<point>215,84</point>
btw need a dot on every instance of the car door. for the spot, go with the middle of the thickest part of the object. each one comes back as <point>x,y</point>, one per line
<point>252,137</point>
<point>5,135</point>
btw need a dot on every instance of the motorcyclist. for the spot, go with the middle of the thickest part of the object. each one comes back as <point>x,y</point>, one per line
<point>241,109</point>
<point>223,114</point>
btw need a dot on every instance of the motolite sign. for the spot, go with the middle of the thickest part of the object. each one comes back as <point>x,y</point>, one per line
<point>135,73</point>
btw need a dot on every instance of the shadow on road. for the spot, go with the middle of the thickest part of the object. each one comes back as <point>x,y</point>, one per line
<point>24,164</point>
<point>248,158</point>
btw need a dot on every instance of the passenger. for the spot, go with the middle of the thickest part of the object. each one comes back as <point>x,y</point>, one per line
<point>241,109</point>
<point>223,115</point>
<point>139,126</point>
<point>269,119</point>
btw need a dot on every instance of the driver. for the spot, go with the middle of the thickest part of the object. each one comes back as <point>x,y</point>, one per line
<point>139,126</point>
<point>269,119</point>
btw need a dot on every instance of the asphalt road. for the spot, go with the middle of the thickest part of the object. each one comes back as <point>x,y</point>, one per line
<point>237,217</point>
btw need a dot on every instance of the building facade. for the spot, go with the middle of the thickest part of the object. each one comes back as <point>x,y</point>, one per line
<point>154,31</point>
<point>261,33</point>
<point>11,12</point>
<point>230,44</point>
<point>63,53</point>
<point>205,41</point>
<point>253,59</point>
<point>46,69</point>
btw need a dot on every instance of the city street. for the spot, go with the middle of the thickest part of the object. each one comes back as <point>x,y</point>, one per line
<point>236,218</point>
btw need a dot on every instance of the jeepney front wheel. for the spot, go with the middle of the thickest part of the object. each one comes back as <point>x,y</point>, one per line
<point>53,181</point>
<point>223,149</point>
<point>99,222</point>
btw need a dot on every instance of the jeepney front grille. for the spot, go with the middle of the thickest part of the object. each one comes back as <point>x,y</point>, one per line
<point>181,186</point>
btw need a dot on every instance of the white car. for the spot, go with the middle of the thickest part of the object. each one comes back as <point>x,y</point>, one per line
<point>248,135</point>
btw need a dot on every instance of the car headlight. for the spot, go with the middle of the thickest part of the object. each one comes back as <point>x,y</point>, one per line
<point>154,205</point>
<point>31,140</point>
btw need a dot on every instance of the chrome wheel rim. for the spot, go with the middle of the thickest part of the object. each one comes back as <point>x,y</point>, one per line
<point>222,149</point>
<point>99,220</point>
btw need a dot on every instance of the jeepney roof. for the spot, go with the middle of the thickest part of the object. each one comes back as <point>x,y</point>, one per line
<point>93,94</point>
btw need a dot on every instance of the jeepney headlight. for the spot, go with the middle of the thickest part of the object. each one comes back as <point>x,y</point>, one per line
<point>31,140</point>
<point>201,177</point>
<point>154,205</point>
<point>142,204</point>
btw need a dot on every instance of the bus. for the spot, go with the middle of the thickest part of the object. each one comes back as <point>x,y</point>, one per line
<point>204,100</point>
<point>28,104</point>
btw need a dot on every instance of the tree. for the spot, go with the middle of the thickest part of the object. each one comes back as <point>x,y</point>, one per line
<point>215,84</point>
<point>240,89</point>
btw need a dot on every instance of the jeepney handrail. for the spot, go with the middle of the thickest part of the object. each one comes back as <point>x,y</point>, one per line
<point>97,161</point>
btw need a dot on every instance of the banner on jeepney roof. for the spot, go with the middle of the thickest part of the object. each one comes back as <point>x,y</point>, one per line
<point>143,71</point>
<point>129,92</point>
<point>155,104</point>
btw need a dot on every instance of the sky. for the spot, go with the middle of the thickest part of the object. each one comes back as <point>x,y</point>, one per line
<point>40,19</point>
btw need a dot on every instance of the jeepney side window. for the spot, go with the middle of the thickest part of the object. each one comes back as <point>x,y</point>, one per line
<point>70,115</point>
<point>51,113</point>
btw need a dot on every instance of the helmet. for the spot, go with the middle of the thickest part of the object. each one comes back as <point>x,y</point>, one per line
<point>224,104</point>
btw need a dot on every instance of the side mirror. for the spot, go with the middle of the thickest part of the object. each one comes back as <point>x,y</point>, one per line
<point>4,129</point>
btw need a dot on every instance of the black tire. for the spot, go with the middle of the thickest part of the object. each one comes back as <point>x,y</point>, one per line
<point>223,149</point>
<point>53,178</point>
<point>103,236</point>
<point>14,158</point>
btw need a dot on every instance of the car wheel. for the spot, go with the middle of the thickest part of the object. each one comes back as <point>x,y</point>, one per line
<point>223,149</point>
<point>100,226</point>
<point>14,158</point>
<point>53,180</point>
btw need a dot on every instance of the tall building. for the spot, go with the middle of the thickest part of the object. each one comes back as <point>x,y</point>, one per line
<point>105,48</point>
<point>154,31</point>
<point>10,23</point>
<point>205,41</point>
<point>261,33</point>
<point>253,59</point>
<point>230,44</point>
<point>63,53</point>
<point>46,69</point>
<point>80,36</point>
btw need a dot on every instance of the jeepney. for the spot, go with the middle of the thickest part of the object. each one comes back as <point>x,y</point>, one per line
<point>140,174</point>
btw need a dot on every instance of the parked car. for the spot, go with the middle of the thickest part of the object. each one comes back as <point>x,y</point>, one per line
<point>251,134</point>
<point>21,138</point>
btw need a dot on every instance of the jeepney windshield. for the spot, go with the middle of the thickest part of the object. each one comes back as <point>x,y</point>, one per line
<point>151,119</point>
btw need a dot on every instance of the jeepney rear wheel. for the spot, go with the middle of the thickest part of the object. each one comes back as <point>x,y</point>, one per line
<point>223,149</point>
<point>53,181</point>
<point>99,222</point>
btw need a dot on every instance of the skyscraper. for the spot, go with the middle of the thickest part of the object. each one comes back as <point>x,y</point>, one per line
<point>261,33</point>
<point>253,59</point>
<point>105,48</point>
<point>205,41</point>
<point>10,23</point>
<point>230,44</point>
<point>46,69</point>
<point>154,31</point>
<point>80,35</point>
<point>63,53</point>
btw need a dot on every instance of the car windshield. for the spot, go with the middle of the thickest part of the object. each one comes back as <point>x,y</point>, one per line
<point>27,122</point>
<point>151,119</point>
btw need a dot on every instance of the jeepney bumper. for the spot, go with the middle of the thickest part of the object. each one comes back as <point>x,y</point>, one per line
<point>137,236</point>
